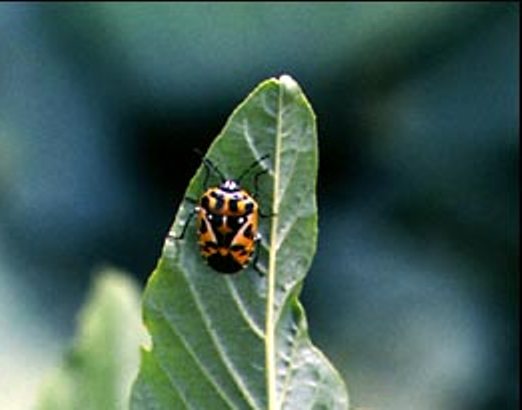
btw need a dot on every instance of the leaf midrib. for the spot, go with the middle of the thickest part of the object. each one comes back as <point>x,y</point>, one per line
<point>270,324</point>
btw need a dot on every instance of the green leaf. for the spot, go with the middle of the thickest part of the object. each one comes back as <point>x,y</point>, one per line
<point>241,341</point>
<point>98,371</point>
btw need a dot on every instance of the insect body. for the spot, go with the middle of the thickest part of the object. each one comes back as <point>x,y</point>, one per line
<point>227,222</point>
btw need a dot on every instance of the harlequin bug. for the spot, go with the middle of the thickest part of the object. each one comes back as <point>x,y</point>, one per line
<point>227,221</point>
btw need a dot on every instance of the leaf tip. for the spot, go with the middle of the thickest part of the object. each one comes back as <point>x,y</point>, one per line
<point>288,82</point>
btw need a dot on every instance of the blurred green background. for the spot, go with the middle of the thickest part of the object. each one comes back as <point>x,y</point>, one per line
<point>414,291</point>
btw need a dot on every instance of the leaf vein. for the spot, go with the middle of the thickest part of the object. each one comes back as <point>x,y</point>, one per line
<point>252,146</point>
<point>289,179</point>
<point>286,383</point>
<point>174,384</point>
<point>242,309</point>
<point>234,374</point>
<point>286,228</point>
<point>203,369</point>
<point>270,308</point>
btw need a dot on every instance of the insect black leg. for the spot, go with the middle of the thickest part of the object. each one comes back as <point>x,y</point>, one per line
<point>256,191</point>
<point>184,230</point>
<point>255,262</point>
<point>210,167</point>
<point>252,166</point>
<point>256,182</point>
<point>269,215</point>
<point>207,175</point>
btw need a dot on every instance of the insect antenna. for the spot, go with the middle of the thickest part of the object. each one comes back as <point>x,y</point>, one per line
<point>251,167</point>
<point>210,165</point>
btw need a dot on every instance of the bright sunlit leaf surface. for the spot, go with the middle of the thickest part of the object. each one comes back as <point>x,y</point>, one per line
<point>241,341</point>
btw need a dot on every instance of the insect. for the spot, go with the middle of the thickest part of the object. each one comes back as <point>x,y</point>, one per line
<point>227,221</point>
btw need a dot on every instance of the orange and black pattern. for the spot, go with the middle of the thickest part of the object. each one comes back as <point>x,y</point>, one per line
<point>227,224</point>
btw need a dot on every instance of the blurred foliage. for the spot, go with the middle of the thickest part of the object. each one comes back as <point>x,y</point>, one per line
<point>414,287</point>
<point>99,369</point>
